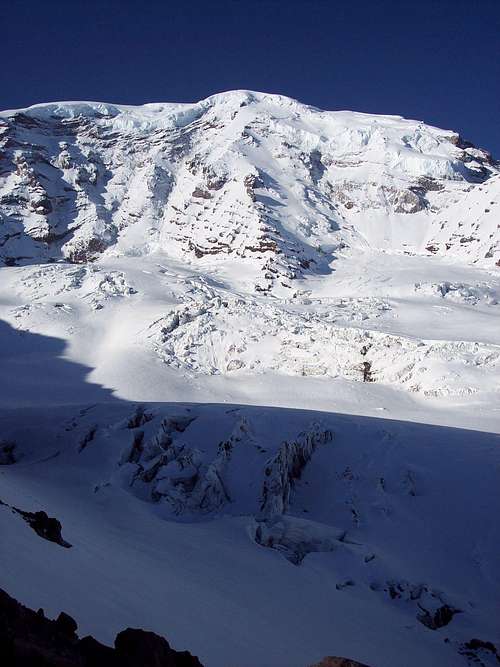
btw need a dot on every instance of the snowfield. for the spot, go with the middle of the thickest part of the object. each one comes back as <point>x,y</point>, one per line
<point>250,359</point>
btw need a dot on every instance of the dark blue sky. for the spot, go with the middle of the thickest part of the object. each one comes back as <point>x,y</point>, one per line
<point>435,60</point>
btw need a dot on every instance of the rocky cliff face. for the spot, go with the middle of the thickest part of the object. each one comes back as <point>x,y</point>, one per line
<point>261,179</point>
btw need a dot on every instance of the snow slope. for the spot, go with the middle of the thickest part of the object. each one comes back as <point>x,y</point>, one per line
<point>250,359</point>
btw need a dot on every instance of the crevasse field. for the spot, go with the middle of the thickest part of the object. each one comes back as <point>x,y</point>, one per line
<point>250,360</point>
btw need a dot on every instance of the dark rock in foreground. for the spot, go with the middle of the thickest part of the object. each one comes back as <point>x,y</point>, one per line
<point>28,639</point>
<point>330,661</point>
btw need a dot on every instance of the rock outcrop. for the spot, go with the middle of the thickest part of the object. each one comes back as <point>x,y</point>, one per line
<point>29,639</point>
<point>331,661</point>
<point>47,527</point>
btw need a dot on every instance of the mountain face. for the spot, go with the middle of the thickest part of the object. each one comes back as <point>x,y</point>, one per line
<point>249,378</point>
<point>261,179</point>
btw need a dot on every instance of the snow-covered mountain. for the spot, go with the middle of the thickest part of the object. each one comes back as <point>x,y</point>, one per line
<point>250,359</point>
<point>262,179</point>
